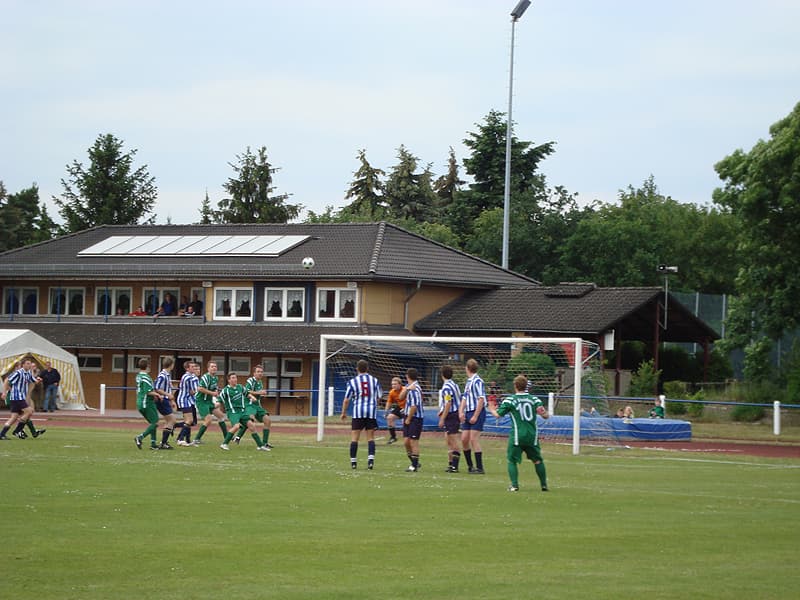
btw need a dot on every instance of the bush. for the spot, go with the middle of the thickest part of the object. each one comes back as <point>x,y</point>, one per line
<point>747,414</point>
<point>645,380</point>
<point>539,368</point>
<point>695,411</point>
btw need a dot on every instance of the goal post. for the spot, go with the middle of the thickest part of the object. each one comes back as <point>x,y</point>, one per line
<point>554,365</point>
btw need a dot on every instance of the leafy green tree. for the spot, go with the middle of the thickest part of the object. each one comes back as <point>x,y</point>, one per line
<point>365,193</point>
<point>109,191</point>
<point>621,244</point>
<point>410,194</point>
<point>23,220</point>
<point>252,193</point>
<point>486,166</point>
<point>206,214</point>
<point>762,191</point>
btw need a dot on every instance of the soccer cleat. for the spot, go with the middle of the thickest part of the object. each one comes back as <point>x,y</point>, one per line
<point>264,448</point>
<point>391,441</point>
<point>472,469</point>
<point>138,441</point>
<point>225,446</point>
<point>370,464</point>
<point>477,471</point>
<point>237,439</point>
<point>153,447</point>
<point>38,432</point>
<point>165,446</point>
<point>412,469</point>
<point>270,446</point>
<point>451,469</point>
<point>183,443</point>
<point>513,488</point>
<point>3,438</point>
<point>353,465</point>
<point>195,443</point>
<point>544,488</point>
<point>21,435</point>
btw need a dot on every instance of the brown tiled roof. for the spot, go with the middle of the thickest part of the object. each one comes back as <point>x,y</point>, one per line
<point>576,309</point>
<point>354,251</point>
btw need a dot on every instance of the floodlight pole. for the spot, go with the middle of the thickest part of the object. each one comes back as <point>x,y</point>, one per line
<point>518,11</point>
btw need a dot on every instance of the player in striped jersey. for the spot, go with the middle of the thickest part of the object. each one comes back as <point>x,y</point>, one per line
<point>146,400</point>
<point>15,392</point>
<point>207,404</point>
<point>412,423</point>
<point>163,385</point>
<point>255,386</point>
<point>186,402</point>
<point>524,437</point>
<point>472,415</point>
<point>449,400</point>
<point>364,390</point>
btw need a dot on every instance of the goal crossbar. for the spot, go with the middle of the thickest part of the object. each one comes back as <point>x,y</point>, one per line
<point>577,343</point>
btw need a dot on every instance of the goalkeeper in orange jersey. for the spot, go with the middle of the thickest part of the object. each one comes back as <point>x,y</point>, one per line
<point>524,437</point>
<point>394,408</point>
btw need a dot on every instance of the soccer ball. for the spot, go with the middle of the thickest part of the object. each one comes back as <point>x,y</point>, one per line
<point>308,262</point>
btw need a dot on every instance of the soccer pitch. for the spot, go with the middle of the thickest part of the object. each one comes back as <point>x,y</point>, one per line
<point>87,515</point>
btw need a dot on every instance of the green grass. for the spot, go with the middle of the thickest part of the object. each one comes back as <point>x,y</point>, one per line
<point>89,516</point>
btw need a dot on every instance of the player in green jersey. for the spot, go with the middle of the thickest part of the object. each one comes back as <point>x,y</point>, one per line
<point>255,387</point>
<point>208,405</point>
<point>522,408</point>
<point>146,398</point>
<point>234,397</point>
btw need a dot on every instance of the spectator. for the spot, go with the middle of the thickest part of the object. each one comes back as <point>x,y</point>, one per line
<point>167,308</point>
<point>184,306</point>
<point>628,413</point>
<point>139,312</point>
<point>196,305</point>
<point>657,412</point>
<point>620,413</point>
<point>50,380</point>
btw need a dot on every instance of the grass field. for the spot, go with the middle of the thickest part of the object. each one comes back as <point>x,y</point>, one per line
<point>90,516</point>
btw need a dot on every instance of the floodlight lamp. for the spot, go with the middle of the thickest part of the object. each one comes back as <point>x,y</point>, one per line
<point>520,9</point>
<point>666,269</point>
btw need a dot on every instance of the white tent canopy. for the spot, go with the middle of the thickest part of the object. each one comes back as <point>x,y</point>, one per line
<point>16,344</point>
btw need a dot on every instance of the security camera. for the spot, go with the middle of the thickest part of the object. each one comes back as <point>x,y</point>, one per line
<point>666,269</point>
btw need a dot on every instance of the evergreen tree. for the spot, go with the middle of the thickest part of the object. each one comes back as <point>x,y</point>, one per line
<point>365,193</point>
<point>23,220</point>
<point>206,214</point>
<point>109,191</point>
<point>448,185</point>
<point>252,199</point>
<point>410,194</point>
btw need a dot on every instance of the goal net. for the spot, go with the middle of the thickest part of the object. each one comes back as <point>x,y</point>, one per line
<point>565,373</point>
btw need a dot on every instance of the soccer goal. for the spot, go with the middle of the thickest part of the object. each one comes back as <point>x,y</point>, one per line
<point>564,372</point>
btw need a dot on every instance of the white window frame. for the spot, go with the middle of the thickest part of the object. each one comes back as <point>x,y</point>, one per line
<point>338,304</point>
<point>235,298</point>
<point>286,386</point>
<point>286,371</point>
<point>68,294</point>
<point>133,362</point>
<point>284,292</point>
<point>160,293</point>
<point>270,365</point>
<point>237,368</point>
<point>82,357</point>
<point>114,292</point>
<point>20,292</point>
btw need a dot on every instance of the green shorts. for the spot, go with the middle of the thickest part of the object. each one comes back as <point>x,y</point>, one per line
<point>204,408</point>
<point>239,418</point>
<point>532,451</point>
<point>257,411</point>
<point>150,413</point>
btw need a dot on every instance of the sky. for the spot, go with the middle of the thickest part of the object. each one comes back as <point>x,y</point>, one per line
<point>626,89</point>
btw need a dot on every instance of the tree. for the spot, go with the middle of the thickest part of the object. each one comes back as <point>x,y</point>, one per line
<point>486,165</point>
<point>252,199</point>
<point>366,192</point>
<point>23,220</point>
<point>409,194</point>
<point>109,191</point>
<point>206,214</point>
<point>622,244</point>
<point>762,191</point>
<point>448,185</point>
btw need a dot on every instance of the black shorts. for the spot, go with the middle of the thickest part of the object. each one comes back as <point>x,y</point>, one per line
<point>363,423</point>
<point>451,423</point>
<point>395,410</point>
<point>413,431</point>
<point>164,407</point>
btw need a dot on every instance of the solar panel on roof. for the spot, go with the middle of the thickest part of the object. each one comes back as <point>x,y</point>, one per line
<point>194,245</point>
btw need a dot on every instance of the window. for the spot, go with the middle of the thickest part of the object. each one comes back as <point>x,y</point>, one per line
<point>233,303</point>
<point>113,301</point>
<point>292,367</point>
<point>23,301</point>
<point>270,365</point>
<point>338,303</point>
<point>118,361</point>
<point>284,304</point>
<point>273,385</point>
<point>66,301</point>
<point>153,299</point>
<point>240,365</point>
<point>90,362</point>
